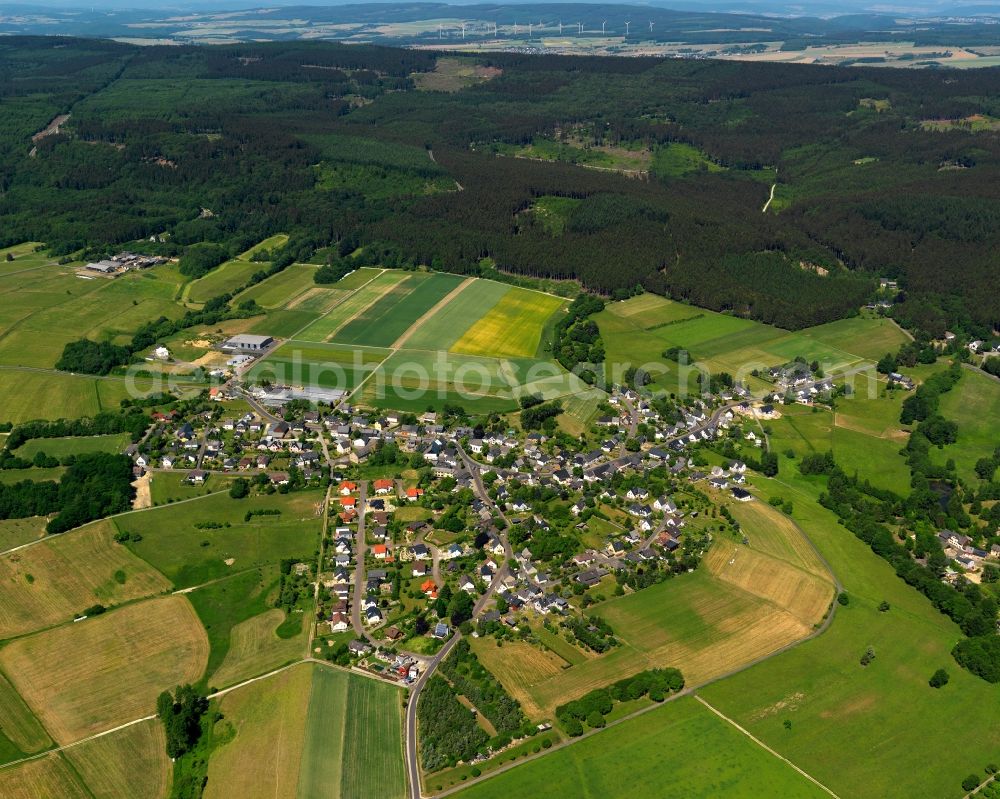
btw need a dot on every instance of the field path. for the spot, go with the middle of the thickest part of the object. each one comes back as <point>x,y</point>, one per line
<point>767,748</point>
<point>399,342</point>
<point>769,199</point>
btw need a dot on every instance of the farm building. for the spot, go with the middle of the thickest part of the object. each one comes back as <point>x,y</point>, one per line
<point>245,342</point>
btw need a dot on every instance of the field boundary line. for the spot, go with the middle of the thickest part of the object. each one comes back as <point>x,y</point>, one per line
<point>451,295</point>
<point>765,747</point>
<point>382,295</point>
<point>337,305</point>
<point>113,516</point>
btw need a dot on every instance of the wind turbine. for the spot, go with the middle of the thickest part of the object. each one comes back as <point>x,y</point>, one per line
<point>603,23</point>
<point>463,30</point>
<point>579,27</point>
<point>529,30</point>
<point>626,28</point>
<point>515,27</point>
<point>651,26</point>
<point>560,27</point>
<point>439,31</point>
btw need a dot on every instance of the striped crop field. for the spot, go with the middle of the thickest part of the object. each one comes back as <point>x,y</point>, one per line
<point>512,328</point>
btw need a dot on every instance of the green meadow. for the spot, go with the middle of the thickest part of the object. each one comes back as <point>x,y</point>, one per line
<point>282,289</point>
<point>837,708</point>
<point>678,751</point>
<point>76,445</point>
<point>188,555</point>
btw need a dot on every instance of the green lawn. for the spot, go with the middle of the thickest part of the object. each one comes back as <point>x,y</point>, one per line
<point>681,751</point>
<point>191,556</point>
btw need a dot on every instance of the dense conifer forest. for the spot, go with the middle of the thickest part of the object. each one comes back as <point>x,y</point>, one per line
<point>336,146</point>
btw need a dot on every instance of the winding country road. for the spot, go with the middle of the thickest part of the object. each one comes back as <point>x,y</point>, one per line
<point>412,760</point>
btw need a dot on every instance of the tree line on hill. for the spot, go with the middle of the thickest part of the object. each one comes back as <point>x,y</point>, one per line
<point>95,485</point>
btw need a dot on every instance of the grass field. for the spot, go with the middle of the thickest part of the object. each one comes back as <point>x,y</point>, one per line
<point>281,290</point>
<point>866,732</point>
<point>512,328</point>
<point>353,745</point>
<point>269,720</point>
<point>390,316</point>
<point>638,331</point>
<point>49,776</point>
<point>50,582</point>
<point>8,476</point>
<point>224,604</point>
<point>14,532</point>
<point>78,445</point>
<point>223,279</point>
<point>975,405</point>
<point>43,310</point>
<point>256,648</point>
<point>190,556</point>
<point>121,661</point>
<point>522,664</point>
<point>677,158</point>
<point>864,435</point>
<point>128,764</point>
<point>561,647</point>
<point>20,732</point>
<point>300,363</point>
<point>25,396</point>
<point>679,751</point>
<point>168,487</point>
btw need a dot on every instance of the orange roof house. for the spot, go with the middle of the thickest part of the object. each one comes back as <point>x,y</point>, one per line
<point>413,494</point>
<point>383,486</point>
<point>346,487</point>
<point>428,587</point>
<point>380,551</point>
<point>348,502</point>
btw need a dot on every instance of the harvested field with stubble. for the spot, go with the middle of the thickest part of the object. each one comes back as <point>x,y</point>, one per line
<point>49,777</point>
<point>84,678</point>
<point>520,663</point>
<point>128,764</point>
<point>269,720</point>
<point>49,582</point>
<point>773,533</point>
<point>806,596</point>
<point>255,648</point>
<point>702,623</point>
